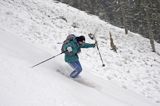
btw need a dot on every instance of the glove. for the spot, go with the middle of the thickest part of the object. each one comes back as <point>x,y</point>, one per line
<point>96,43</point>
<point>69,49</point>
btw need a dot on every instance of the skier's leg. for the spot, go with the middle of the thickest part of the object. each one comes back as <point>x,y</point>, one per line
<point>77,69</point>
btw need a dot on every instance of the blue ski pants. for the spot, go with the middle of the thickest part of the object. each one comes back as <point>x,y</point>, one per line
<point>77,69</point>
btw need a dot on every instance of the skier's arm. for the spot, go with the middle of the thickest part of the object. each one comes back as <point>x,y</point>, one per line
<point>70,50</point>
<point>87,45</point>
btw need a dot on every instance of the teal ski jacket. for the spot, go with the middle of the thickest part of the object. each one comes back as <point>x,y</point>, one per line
<point>76,48</point>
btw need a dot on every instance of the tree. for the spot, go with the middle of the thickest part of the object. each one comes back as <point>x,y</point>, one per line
<point>148,8</point>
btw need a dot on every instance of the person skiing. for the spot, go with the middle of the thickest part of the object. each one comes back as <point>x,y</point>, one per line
<point>71,48</point>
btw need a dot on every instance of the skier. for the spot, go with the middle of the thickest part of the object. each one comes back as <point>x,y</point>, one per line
<point>72,46</point>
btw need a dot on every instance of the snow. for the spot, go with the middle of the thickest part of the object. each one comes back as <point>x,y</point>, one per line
<point>32,31</point>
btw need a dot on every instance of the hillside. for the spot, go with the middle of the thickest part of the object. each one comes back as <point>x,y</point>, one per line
<point>31,31</point>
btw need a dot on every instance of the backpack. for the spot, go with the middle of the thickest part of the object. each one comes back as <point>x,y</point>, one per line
<point>68,39</point>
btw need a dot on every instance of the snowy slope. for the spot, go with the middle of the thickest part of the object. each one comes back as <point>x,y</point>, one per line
<point>21,85</point>
<point>31,31</point>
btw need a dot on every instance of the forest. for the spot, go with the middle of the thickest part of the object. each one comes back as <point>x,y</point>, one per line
<point>139,16</point>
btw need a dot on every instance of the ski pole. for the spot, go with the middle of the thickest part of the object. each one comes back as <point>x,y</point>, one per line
<point>93,37</point>
<point>103,65</point>
<point>99,51</point>
<point>47,60</point>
